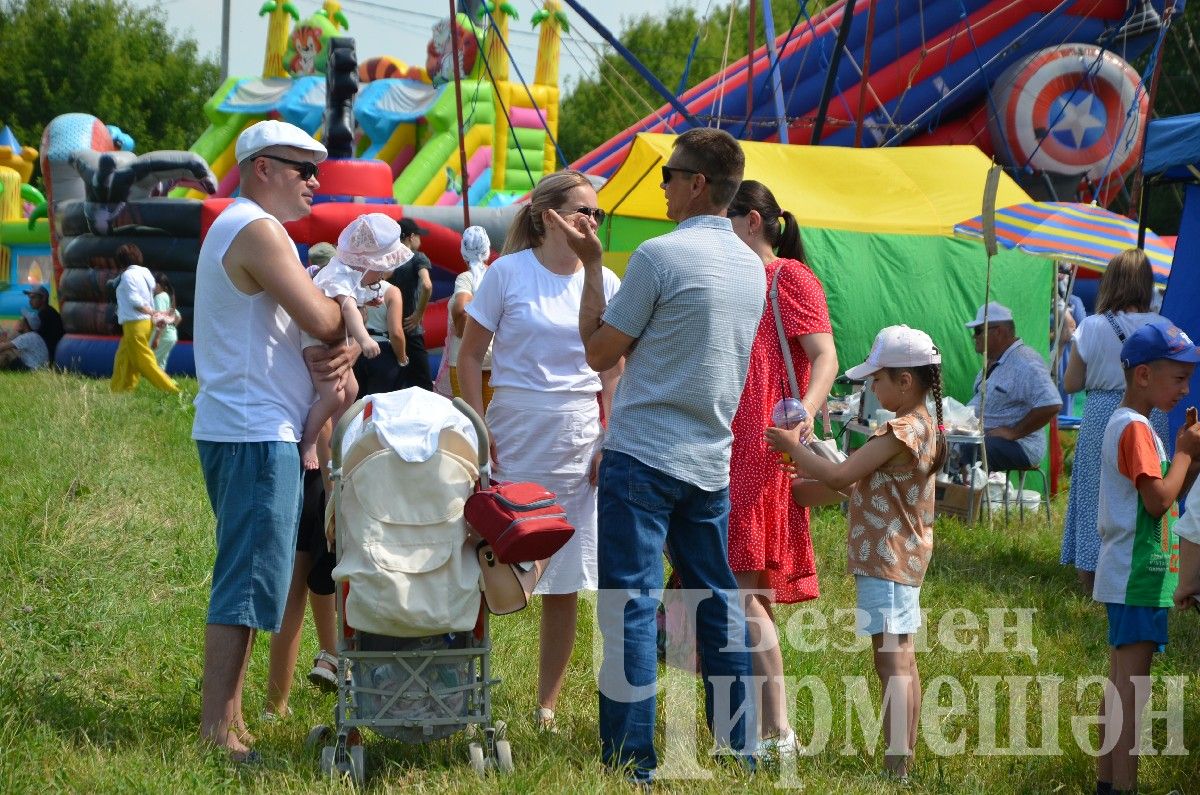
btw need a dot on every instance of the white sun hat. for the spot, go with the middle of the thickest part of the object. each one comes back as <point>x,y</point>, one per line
<point>371,242</point>
<point>897,346</point>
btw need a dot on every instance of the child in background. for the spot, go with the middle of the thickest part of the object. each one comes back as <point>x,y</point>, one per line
<point>368,250</point>
<point>1138,570</point>
<point>891,517</point>
<point>166,319</point>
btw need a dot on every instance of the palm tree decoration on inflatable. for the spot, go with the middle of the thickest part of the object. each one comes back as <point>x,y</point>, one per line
<point>496,36</point>
<point>553,21</point>
<point>277,35</point>
<point>332,10</point>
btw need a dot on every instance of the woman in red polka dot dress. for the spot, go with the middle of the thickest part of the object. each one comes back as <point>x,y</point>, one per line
<point>769,543</point>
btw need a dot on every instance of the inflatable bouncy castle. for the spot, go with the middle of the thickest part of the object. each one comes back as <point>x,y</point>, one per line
<point>394,125</point>
<point>24,238</point>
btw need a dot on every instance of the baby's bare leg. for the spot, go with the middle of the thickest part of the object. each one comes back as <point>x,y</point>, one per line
<point>329,397</point>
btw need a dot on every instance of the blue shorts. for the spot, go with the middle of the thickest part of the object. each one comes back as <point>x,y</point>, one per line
<point>1134,624</point>
<point>886,606</point>
<point>254,489</point>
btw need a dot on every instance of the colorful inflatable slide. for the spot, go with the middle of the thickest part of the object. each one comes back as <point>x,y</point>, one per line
<point>1043,85</point>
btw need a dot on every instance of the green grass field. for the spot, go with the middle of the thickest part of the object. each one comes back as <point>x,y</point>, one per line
<point>106,543</point>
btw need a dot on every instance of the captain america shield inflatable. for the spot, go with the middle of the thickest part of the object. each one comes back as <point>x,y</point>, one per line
<point>1066,110</point>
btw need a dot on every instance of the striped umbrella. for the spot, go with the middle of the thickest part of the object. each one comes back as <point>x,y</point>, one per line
<point>1081,233</point>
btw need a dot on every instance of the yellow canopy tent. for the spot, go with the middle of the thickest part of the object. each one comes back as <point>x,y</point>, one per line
<point>877,226</point>
<point>919,190</point>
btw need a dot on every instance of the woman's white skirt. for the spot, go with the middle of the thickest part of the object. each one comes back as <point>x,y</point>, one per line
<point>549,438</point>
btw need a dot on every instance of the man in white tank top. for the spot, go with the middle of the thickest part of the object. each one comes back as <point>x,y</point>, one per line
<point>253,297</point>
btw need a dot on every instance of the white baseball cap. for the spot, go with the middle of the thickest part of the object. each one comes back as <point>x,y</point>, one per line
<point>996,313</point>
<point>258,137</point>
<point>897,346</point>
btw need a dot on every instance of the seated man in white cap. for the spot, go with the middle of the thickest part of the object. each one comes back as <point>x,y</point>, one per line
<point>26,350</point>
<point>1021,396</point>
<point>252,301</point>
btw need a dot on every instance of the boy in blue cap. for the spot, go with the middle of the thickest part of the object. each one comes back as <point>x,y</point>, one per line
<point>1138,567</point>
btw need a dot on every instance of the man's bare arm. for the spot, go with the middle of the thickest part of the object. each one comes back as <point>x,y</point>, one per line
<point>263,259</point>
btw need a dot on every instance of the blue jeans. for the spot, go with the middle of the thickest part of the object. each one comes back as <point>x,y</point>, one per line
<point>641,510</point>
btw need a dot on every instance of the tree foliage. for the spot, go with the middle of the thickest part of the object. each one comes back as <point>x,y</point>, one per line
<point>103,57</point>
<point>597,108</point>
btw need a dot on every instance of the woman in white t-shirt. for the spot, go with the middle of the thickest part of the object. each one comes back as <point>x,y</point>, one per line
<point>544,416</point>
<point>1122,307</point>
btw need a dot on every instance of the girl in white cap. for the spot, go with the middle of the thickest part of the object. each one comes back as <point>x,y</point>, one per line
<point>891,517</point>
<point>368,250</point>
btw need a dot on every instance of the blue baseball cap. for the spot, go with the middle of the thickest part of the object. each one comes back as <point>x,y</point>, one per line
<point>1158,339</point>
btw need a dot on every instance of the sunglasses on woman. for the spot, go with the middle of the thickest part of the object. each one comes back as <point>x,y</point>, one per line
<point>307,168</point>
<point>595,213</point>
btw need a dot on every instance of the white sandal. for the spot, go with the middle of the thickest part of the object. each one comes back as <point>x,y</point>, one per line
<point>544,721</point>
<point>323,677</point>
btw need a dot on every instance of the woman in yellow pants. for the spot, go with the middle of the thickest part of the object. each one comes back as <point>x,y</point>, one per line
<point>135,313</point>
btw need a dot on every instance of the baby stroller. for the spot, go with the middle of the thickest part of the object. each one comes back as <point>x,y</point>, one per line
<point>413,643</point>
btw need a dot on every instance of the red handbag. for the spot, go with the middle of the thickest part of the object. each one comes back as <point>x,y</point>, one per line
<point>522,522</point>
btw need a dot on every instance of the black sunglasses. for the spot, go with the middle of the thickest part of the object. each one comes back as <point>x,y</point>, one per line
<point>307,168</point>
<point>666,173</point>
<point>595,213</point>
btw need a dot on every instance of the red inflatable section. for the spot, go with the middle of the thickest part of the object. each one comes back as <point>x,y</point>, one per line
<point>364,178</point>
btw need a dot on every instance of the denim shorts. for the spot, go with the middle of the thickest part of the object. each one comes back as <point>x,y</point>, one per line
<point>1134,624</point>
<point>254,489</point>
<point>886,606</point>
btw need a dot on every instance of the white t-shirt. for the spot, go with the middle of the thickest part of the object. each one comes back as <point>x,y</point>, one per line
<point>534,315</point>
<point>463,283</point>
<point>1100,347</point>
<point>32,350</point>
<point>135,289</point>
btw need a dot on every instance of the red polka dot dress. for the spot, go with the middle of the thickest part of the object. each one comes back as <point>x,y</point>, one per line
<point>767,531</point>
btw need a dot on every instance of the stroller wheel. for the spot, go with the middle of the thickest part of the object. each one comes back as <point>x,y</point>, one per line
<point>501,729</point>
<point>315,736</point>
<point>327,756</point>
<point>478,764</point>
<point>357,765</point>
<point>504,760</point>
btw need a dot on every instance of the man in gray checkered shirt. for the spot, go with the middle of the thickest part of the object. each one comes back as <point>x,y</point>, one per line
<point>684,319</point>
<point>1021,396</point>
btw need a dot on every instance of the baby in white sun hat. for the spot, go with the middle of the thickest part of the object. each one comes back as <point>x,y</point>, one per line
<point>368,250</point>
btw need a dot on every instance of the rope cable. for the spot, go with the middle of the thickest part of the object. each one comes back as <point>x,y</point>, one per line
<point>725,59</point>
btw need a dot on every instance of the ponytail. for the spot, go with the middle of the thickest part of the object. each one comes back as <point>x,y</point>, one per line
<point>784,239</point>
<point>521,234</point>
<point>940,454</point>
<point>527,230</point>
<point>789,244</point>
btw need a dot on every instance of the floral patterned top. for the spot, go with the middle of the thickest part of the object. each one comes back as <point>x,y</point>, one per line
<point>891,510</point>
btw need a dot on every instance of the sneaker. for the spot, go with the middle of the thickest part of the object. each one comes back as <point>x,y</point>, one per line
<point>775,749</point>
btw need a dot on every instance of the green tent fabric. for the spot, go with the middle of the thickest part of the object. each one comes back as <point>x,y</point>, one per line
<point>932,283</point>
